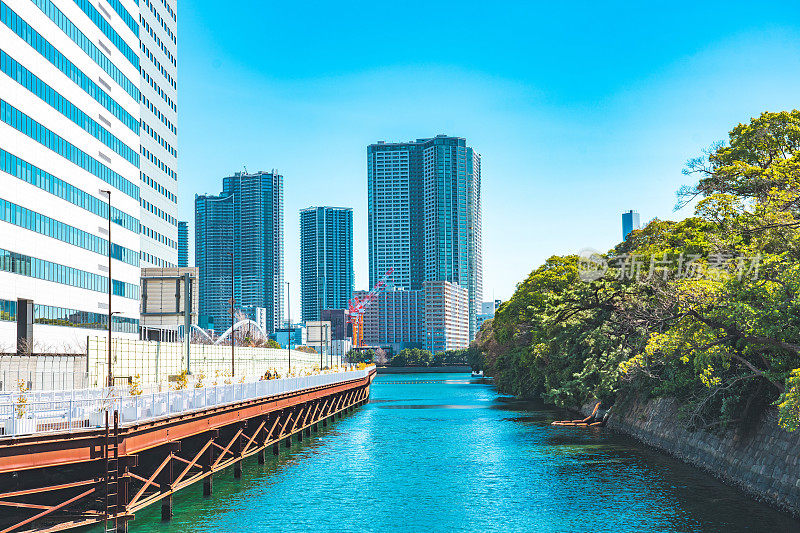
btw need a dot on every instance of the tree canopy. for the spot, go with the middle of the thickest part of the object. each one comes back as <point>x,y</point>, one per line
<point>705,309</point>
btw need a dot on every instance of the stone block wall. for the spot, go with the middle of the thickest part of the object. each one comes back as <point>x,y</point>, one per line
<point>764,463</point>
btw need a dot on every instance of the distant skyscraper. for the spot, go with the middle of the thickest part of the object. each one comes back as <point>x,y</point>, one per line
<point>424,201</point>
<point>630,222</point>
<point>326,259</point>
<point>246,219</point>
<point>183,244</point>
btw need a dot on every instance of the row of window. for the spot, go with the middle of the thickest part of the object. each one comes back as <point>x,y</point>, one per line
<point>125,16</point>
<point>158,187</point>
<point>149,79</point>
<point>157,162</point>
<point>157,15</point>
<point>151,56</point>
<point>87,46</point>
<point>159,139</point>
<point>157,112</point>
<point>158,41</point>
<point>158,212</point>
<point>49,52</point>
<point>25,124</point>
<point>37,177</point>
<point>156,236</point>
<point>72,318</point>
<point>31,220</point>
<point>54,99</point>
<point>169,10</point>
<point>157,261</point>
<point>112,35</point>
<point>33,267</point>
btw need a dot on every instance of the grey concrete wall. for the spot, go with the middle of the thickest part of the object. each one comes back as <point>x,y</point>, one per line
<point>764,463</point>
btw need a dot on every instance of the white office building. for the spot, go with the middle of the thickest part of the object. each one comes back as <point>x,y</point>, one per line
<point>158,48</point>
<point>72,95</point>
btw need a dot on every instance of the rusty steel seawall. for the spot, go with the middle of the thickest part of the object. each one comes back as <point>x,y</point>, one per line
<point>57,481</point>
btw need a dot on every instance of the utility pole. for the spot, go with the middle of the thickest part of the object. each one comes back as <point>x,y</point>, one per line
<point>233,339</point>
<point>110,374</point>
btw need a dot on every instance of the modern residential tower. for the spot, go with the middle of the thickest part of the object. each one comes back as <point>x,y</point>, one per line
<point>326,259</point>
<point>183,244</point>
<point>424,209</point>
<point>240,233</point>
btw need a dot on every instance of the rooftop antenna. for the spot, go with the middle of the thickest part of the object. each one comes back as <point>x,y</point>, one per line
<point>245,168</point>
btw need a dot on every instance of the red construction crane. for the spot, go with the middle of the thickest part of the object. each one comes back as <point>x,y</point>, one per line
<point>357,307</point>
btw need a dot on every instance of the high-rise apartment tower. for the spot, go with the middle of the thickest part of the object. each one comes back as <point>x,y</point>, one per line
<point>326,259</point>
<point>424,209</point>
<point>183,244</point>
<point>245,220</point>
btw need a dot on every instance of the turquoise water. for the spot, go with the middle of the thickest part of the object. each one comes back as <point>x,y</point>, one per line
<point>455,456</point>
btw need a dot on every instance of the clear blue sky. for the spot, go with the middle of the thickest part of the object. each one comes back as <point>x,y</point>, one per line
<point>581,110</point>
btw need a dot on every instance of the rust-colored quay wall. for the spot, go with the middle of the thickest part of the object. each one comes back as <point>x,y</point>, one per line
<point>62,480</point>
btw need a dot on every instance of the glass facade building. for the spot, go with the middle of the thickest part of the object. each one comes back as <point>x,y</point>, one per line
<point>424,215</point>
<point>183,244</point>
<point>630,222</point>
<point>245,220</point>
<point>326,259</point>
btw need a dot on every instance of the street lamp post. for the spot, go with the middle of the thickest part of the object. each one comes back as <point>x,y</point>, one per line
<point>108,245</point>
<point>233,301</point>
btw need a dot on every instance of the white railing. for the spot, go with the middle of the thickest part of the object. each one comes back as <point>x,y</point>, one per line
<point>61,411</point>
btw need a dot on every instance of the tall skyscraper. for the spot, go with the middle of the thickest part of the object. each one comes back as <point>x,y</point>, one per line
<point>183,244</point>
<point>158,107</point>
<point>630,222</point>
<point>69,129</point>
<point>245,220</point>
<point>326,259</point>
<point>424,214</point>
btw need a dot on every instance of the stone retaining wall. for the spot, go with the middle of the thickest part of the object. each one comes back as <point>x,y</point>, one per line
<point>764,463</point>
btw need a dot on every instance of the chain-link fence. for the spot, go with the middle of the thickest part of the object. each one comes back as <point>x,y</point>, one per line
<point>158,363</point>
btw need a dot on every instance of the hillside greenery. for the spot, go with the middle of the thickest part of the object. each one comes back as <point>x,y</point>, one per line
<point>705,310</point>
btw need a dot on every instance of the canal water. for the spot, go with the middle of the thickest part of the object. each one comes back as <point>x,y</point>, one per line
<point>456,456</point>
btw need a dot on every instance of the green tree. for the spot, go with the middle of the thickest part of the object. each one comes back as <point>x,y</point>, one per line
<point>717,326</point>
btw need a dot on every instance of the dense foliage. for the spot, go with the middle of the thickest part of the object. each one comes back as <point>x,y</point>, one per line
<point>411,357</point>
<point>706,310</point>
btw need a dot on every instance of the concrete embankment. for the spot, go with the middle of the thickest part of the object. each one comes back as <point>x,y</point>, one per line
<point>765,462</point>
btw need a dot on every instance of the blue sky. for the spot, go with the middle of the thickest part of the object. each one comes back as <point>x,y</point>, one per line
<point>580,110</point>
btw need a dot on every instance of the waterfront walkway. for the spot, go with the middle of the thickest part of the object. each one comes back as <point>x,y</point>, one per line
<point>58,411</point>
<point>69,471</point>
